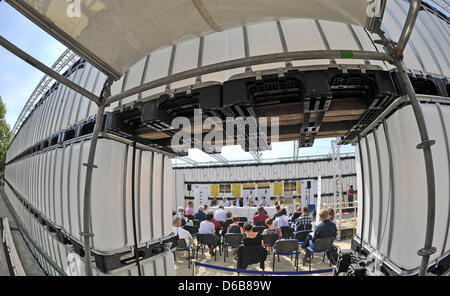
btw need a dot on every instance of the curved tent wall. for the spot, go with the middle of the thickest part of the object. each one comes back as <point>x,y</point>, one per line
<point>57,204</point>
<point>394,204</point>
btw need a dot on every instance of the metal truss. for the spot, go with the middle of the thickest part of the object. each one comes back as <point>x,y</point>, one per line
<point>65,60</point>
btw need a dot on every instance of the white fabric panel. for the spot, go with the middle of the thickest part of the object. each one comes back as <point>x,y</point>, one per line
<point>440,163</point>
<point>121,33</point>
<point>296,31</point>
<point>186,58</point>
<point>366,192</point>
<point>158,67</point>
<point>394,31</point>
<point>419,43</point>
<point>410,190</point>
<point>220,47</point>
<point>134,78</point>
<point>57,179</point>
<point>384,195</point>
<point>373,223</point>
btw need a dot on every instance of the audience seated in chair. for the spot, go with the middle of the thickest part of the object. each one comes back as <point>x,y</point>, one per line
<point>200,215</point>
<point>305,219</point>
<point>324,229</point>
<point>260,217</point>
<point>208,227</point>
<point>251,238</point>
<point>282,219</point>
<point>235,227</point>
<point>182,233</point>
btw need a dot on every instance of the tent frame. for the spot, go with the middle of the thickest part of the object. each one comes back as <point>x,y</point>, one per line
<point>393,55</point>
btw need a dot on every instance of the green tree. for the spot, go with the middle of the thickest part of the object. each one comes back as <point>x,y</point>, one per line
<point>5,136</point>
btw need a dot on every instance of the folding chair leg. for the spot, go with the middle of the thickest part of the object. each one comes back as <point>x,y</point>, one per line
<point>273,264</point>
<point>323,260</point>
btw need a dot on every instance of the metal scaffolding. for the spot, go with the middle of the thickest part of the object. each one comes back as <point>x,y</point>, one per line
<point>64,61</point>
<point>393,55</point>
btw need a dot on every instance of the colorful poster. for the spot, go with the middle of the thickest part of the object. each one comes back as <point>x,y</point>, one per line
<point>236,190</point>
<point>201,194</point>
<point>307,187</point>
<point>215,190</point>
<point>278,189</point>
<point>299,188</point>
<point>225,188</point>
<point>290,186</point>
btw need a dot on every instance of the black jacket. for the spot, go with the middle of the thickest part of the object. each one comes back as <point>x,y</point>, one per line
<point>248,255</point>
<point>325,229</point>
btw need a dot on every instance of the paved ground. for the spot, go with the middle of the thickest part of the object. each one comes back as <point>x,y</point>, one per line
<point>285,264</point>
<point>30,265</point>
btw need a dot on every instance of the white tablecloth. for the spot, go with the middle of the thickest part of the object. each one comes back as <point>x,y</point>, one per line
<point>248,212</point>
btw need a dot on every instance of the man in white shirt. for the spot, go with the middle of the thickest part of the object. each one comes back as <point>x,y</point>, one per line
<point>220,214</point>
<point>182,233</point>
<point>224,202</point>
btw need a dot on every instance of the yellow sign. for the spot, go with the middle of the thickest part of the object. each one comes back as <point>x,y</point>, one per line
<point>215,190</point>
<point>278,189</point>
<point>251,186</point>
<point>299,188</point>
<point>236,190</point>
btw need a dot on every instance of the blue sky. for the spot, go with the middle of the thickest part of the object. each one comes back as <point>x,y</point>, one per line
<point>17,78</point>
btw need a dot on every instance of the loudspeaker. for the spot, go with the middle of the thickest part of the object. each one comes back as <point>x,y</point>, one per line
<point>308,184</point>
<point>189,187</point>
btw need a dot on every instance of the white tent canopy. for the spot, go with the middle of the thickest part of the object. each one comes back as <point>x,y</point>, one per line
<point>115,34</point>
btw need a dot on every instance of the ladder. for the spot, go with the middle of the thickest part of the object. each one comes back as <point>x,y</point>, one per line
<point>337,183</point>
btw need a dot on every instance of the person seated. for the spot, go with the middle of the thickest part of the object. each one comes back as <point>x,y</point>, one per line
<point>305,219</point>
<point>224,202</point>
<point>238,202</point>
<point>263,202</point>
<point>235,227</point>
<point>332,215</point>
<point>180,213</point>
<point>214,202</point>
<point>200,215</point>
<point>271,229</point>
<point>324,229</point>
<point>278,209</point>
<point>182,233</point>
<point>278,201</point>
<point>282,219</point>
<point>260,217</point>
<point>220,214</point>
<point>208,227</point>
<point>190,209</point>
<point>297,212</point>
<point>205,207</point>
<point>250,202</point>
<point>217,225</point>
<point>251,238</point>
<point>227,222</point>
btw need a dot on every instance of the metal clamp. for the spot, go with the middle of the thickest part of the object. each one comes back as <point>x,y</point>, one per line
<point>426,252</point>
<point>85,234</point>
<point>426,144</point>
<point>88,165</point>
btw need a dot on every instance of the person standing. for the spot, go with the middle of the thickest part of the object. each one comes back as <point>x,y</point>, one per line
<point>189,209</point>
<point>350,194</point>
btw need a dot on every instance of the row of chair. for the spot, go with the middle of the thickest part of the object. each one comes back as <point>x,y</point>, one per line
<point>287,245</point>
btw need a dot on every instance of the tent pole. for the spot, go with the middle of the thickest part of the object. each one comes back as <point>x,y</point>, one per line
<point>49,71</point>
<point>87,221</point>
<point>395,50</point>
